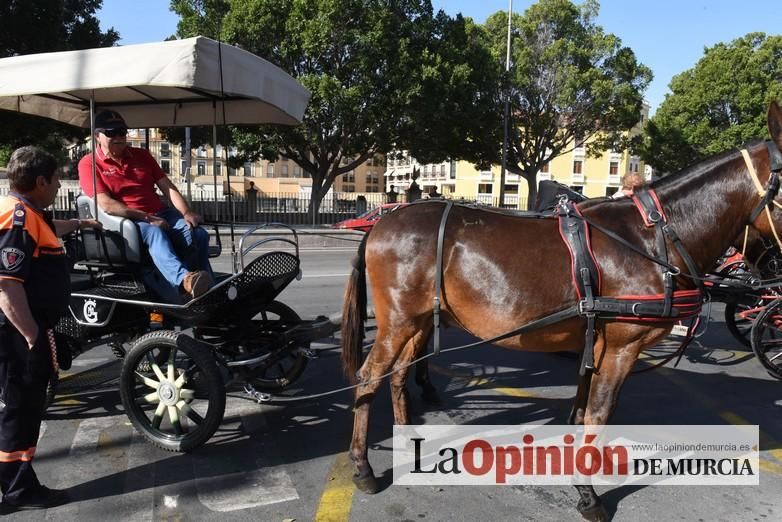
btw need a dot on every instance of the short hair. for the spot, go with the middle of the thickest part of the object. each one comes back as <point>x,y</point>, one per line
<point>26,164</point>
<point>632,180</point>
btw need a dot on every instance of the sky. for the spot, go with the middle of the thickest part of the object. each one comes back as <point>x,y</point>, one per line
<point>668,36</point>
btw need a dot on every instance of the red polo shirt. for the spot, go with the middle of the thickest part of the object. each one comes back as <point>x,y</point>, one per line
<point>131,181</point>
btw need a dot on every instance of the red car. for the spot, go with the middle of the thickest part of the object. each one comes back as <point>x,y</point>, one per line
<point>367,220</point>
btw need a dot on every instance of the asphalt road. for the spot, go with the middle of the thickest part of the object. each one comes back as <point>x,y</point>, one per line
<point>283,462</point>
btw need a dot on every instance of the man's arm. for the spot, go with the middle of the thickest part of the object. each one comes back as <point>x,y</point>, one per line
<point>113,207</point>
<point>13,303</point>
<point>170,191</point>
<point>66,226</point>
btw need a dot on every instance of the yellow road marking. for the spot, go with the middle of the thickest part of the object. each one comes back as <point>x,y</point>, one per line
<point>765,440</point>
<point>337,497</point>
<point>479,382</point>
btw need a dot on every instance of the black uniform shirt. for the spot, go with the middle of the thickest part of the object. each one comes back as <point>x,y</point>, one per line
<point>31,253</point>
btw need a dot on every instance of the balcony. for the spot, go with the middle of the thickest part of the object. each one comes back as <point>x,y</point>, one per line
<point>614,179</point>
<point>544,176</point>
<point>577,178</point>
<point>486,175</point>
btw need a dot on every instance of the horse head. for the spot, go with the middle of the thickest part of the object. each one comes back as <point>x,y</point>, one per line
<point>765,169</point>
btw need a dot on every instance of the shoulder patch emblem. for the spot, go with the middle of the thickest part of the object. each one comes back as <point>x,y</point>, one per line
<point>19,213</point>
<point>11,257</point>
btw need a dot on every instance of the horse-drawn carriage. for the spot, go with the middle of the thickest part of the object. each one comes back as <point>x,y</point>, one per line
<point>176,369</point>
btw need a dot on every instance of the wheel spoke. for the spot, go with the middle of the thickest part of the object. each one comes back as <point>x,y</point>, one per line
<point>181,379</point>
<point>173,413</point>
<point>171,365</point>
<point>155,367</point>
<point>775,357</point>
<point>187,394</point>
<point>149,382</point>
<point>190,412</point>
<point>150,398</point>
<point>161,408</point>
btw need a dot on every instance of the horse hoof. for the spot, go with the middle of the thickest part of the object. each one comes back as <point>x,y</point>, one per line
<point>595,513</point>
<point>367,484</point>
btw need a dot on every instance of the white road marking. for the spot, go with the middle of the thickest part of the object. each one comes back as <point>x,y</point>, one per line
<point>43,430</point>
<point>266,482</point>
<point>170,501</point>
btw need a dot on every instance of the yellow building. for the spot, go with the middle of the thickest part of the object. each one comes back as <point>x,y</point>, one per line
<point>594,177</point>
<point>283,176</point>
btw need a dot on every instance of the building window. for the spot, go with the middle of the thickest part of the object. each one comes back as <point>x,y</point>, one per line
<point>284,171</point>
<point>201,152</point>
<point>453,170</point>
<point>297,172</point>
<point>184,169</point>
<point>201,166</point>
<point>577,188</point>
<point>270,170</point>
<point>579,140</point>
<point>218,169</point>
<point>484,188</point>
<point>610,191</point>
<point>442,171</point>
<point>219,151</point>
<point>545,168</point>
<point>577,165</point>
<point>613,168</point>
<point>165,150</point>
<point>511,189</point>
<point>248,169</point>
<point>165,165</point>
<point>350,177</point>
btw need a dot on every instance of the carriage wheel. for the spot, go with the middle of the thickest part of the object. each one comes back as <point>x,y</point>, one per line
<point>288,369</point>
<point>739,319</point>
<point>767,338</point>
<point>172,390</point>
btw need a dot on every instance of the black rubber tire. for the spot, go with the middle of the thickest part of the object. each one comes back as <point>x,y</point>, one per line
<point>290,368</point>
<point>767,338</point>
<point>740,329</point>
<point>207,390</point>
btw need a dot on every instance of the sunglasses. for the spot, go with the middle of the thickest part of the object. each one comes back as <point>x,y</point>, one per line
<point>113,133</point>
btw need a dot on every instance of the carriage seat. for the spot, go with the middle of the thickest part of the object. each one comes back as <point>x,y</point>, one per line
<point>118,246</point>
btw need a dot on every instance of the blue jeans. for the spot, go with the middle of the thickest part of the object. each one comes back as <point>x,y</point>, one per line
<point>174,252</point>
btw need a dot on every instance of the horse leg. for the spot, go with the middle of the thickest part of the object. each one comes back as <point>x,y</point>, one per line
<point>384,352</point>
<point>602,391</point>
<point>399,395</point>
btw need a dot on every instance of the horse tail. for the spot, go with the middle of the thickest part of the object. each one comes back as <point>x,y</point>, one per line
<point>354,313</point>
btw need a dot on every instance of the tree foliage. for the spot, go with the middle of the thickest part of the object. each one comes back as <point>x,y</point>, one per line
<point>384,75</point>
<point>39,26</point>
<point>718,104</point>
<point>568,80</point>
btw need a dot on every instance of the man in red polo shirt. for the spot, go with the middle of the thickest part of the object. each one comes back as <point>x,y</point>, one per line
<point>125,181</point>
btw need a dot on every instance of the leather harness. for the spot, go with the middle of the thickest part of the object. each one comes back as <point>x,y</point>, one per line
<point>670,306</point>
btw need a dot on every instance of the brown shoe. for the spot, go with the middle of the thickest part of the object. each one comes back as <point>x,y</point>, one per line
<point>196,283</point>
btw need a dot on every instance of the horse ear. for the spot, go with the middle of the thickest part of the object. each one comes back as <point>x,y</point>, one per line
<point>775,123</point>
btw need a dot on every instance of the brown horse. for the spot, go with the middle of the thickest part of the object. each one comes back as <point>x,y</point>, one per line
<point>501,271</point>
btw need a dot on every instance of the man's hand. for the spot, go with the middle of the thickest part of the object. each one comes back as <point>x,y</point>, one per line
<point>193,219</point>
<point>90,223</point>
<point>157,221</point>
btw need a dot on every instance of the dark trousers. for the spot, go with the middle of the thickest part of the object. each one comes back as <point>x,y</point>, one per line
<point>24,375</point>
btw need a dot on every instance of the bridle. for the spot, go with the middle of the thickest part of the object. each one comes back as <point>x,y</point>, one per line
<point>767,196</point>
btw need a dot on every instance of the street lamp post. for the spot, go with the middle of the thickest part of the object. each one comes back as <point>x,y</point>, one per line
<point>506,111</point>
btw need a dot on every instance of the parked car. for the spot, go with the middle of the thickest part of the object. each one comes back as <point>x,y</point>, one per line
<point>367,220</point>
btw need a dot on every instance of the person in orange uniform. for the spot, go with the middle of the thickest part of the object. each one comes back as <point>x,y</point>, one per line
<point>34,293</point>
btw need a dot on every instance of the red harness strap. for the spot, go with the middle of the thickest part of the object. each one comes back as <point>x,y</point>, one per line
<point>648,222</point>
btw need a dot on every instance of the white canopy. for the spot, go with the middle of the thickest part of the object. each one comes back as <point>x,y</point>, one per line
<point>175,83</point>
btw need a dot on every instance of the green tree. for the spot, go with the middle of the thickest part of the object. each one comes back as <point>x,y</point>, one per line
<point>717,105</point>
<point>38,27</point>
<point>569,81</point>
<point>384,75</point>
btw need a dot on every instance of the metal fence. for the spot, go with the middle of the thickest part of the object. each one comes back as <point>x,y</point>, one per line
<point>288,208</point>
